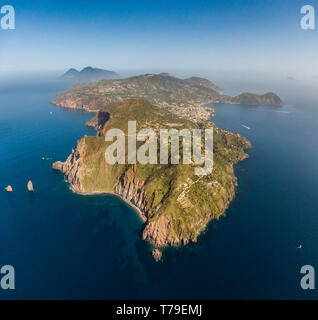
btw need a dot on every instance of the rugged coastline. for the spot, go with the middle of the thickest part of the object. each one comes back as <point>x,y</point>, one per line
<point>174,204</point>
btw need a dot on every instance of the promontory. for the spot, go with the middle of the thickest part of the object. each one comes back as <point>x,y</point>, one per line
<point>175,204</point>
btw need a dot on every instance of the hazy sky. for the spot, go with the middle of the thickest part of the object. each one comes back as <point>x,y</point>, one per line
<point>198,34</point>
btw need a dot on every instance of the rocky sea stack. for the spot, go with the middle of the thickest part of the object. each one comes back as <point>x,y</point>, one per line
<point>157,254</point>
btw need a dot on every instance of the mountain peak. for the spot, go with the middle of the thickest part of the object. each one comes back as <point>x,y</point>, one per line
<point>89,74</point>
<point>87,68</point>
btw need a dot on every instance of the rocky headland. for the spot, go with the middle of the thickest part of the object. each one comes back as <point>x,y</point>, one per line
<point>175,204</point>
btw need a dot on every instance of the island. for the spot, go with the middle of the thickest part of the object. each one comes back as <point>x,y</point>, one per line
<point>88,74</point>
<point>182,97</point>
<point>175,204</point>
<point>252,99</point>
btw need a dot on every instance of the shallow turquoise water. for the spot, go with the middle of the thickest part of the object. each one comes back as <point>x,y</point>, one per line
<point>63,245</point>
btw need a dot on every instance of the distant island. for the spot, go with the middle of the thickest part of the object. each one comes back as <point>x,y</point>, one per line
<point>180,96</point>
<point>252,99</point>
<point>88,74</point>
<point>175,204</point>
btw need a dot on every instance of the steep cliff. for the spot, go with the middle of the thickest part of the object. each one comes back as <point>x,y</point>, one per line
<point>174,203</point>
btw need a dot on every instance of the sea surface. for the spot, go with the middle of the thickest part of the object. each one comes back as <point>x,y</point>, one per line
<point>68,246</point>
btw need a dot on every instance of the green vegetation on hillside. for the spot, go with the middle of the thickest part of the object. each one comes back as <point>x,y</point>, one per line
<point>181,97</point>
<point>175,203</point>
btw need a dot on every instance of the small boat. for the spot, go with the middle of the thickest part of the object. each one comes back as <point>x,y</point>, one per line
<point>246,127</point>
<point>9,188</point>
<point>299,247</point>
<point>30,186</point>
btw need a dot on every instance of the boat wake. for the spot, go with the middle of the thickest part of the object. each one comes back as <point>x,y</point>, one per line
<point>276,111</point>
<point>246,127</point>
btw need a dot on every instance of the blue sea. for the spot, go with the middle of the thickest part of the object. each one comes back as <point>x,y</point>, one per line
<point>66,246</point>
